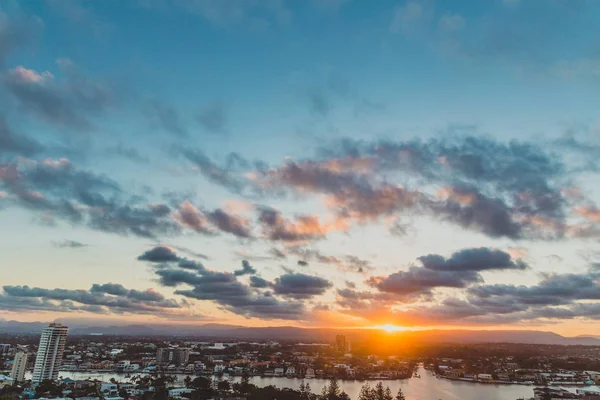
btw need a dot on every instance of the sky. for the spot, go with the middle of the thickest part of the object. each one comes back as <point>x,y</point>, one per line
<point>318,163</point>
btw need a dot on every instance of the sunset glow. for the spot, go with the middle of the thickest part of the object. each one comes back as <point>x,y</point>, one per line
<point>396,164</point>
<point>391,328</point>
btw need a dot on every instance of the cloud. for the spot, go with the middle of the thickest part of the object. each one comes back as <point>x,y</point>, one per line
<point>514,190</point>
<point>555,297</point>
<point>475,259</point>
<point>247,269</point>
<point>71,244</point>
<point>300,286</point>
<point>258,282</point>
<point>302,228</point>
<point>460,270</point>
<point>159,254</point>
<point>70,101</point>
<point>222,288</point>
<point>188,215</point>
<point>58,190</point>
<point>105,298</point>
<point>210,222</point>
<point>230,223</point>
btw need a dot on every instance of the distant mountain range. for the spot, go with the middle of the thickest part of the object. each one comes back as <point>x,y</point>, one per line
<point>305,334</point>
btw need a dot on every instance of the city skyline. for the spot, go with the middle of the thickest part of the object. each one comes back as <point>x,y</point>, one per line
<point>402,165</point>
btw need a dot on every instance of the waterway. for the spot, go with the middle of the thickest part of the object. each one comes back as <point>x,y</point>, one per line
<point>428,387</point>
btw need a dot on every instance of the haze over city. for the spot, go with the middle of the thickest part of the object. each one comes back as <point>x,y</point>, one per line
<point>341,164</point>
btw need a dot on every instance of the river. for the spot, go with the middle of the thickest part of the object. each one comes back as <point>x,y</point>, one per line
<point>428,387</point>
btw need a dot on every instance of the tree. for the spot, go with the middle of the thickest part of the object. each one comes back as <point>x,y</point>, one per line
<point>366,393</point>
<point>123,393</point>
<point>400,395</point>
<point>187,381</point>
<point>388,394</point>
<point>379,391</point>
<point>224,385</point>
<point>331,391</point>
<point>305,391</point>
<point>201,383</point>
<point>344,396</point>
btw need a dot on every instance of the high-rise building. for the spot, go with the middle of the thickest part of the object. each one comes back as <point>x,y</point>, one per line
<point>4,348</point>
<point>50,352</point>
<point>19,366</point>
<point>340,343</point>
<point>173,355</point>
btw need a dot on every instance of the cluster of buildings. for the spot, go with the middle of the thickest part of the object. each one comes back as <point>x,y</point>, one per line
<point>506,370</point>
<point>48,358</point>
<point>135,358</point>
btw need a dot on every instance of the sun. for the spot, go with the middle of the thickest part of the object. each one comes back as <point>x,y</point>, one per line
<point>391,328</point>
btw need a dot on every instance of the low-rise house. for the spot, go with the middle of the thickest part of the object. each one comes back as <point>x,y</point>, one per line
<point>5,380</point>
<point>177,392</point>
<point>109,388</point>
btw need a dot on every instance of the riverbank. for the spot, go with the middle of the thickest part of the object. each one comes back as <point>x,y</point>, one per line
<point>426,387</point>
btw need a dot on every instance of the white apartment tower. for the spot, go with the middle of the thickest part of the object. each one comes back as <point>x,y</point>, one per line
<point>19,366</point>
<point>50,353</point>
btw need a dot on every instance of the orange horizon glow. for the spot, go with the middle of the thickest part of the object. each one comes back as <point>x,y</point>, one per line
<point>389,328</point>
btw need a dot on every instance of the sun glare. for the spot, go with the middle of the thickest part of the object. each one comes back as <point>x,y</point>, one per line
<point>391,328</point>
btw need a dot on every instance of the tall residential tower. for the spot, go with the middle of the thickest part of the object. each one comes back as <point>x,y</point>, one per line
<point>19,366</point>
<point>50,352</point>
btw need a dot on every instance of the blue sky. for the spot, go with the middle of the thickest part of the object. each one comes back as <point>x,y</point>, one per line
<point>416,163</point>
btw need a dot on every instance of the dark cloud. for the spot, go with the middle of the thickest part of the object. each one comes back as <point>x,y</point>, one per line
<point>475,259</point>
<point>300,286</point>
<point>302,263</point>
<point>247,269</point>
<point>258,282</point>
<point>514,190</point>
<point>461,270</point>
<point>159,254</point>
<point>470,209</point>
<point>70,101</point>
<point>60,191</point>
<point>71,244</point>
<point>552,290</point>
<point>555,297</point>
<point>211,222</point>
<point>106,298</point>
<point>213,117</point>
<point>225,289</point>
<point>419,280</point>
<point>303,228</point>
<point>230,223</point>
